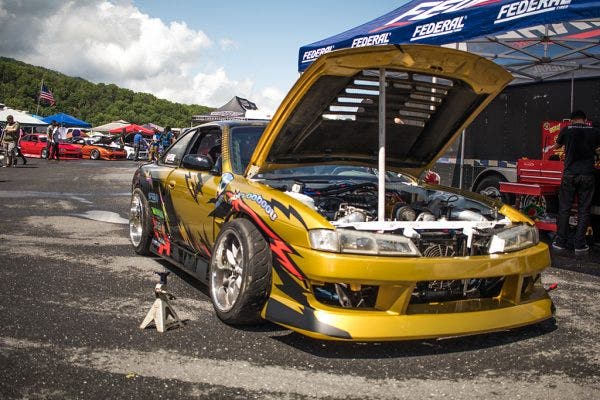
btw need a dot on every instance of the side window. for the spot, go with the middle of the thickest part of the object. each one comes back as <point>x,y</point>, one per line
<point>209,144</point>
<point>176,152</point>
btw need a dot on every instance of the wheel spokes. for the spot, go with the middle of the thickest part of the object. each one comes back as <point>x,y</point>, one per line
<point>227,272</point>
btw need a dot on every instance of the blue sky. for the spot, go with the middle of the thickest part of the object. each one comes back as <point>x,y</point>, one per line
<point>192,52</point>
<point>266,34</point>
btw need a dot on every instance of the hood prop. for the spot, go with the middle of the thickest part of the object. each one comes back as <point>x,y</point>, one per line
<point>381,155</point>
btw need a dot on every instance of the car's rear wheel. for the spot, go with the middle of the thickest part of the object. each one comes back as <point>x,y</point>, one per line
<point>240,273</point>
<point>94,154</point>
<point>140,230</point>
<point>44,153</point>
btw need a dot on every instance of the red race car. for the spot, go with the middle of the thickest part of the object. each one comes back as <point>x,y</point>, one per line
<point>34,145</point>
<point>98,150</point>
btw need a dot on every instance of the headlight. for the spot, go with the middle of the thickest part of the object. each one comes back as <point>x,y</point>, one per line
<point>358,242</point>
<point>515,238</point>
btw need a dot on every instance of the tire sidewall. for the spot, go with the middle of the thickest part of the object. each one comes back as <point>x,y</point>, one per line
<point>94,154</point>
<point>250,299</point>
<point>143,248</point>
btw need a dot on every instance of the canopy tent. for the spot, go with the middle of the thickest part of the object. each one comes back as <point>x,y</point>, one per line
<point>20,117</point>
<point>111,125</point>
<point>132,128</point>
<point>152,126</point>
<point>535,40</point>
<point>67,120</point>
<point>236,108</point>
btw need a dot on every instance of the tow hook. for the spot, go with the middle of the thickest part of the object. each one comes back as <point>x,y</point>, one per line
<point>552,287</point>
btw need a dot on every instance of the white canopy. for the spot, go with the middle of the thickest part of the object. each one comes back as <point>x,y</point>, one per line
<point>110,126</point>
<point>20,117</point>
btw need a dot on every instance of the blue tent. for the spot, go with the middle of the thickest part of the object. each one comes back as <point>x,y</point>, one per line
<point>534,39</point>
<point>66,120</point>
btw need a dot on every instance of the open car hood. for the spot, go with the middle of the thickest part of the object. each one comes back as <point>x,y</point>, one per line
<point>331,115</point>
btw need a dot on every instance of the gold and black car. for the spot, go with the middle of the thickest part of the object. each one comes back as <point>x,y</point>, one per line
<point>317,221</point>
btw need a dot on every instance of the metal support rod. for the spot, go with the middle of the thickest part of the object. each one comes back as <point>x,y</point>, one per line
<point>572,89</point>
<point>462,159</point>
<point>381,165</point>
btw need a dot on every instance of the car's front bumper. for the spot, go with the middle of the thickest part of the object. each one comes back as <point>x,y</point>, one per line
<point>395,317</point>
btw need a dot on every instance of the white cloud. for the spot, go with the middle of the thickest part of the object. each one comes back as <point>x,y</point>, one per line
<point>113,42</point>
<point>228,44</point>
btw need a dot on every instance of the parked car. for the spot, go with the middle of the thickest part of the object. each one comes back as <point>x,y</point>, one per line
<point>34,145</point>
<point>98,150</point>
<point>294,221</point>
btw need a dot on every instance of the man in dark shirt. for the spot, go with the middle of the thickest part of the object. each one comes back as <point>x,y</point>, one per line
<point>580,142</point>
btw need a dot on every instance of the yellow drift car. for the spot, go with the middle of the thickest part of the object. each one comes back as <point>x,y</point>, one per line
<point>286,220</point>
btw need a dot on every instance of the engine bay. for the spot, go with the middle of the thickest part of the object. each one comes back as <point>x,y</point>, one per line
<point>440,223</point>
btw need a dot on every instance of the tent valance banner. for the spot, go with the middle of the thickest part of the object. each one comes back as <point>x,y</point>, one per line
<point>533,39</point>
<point>67,120</point>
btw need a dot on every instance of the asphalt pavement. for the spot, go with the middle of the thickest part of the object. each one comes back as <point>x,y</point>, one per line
<point>73,294</point>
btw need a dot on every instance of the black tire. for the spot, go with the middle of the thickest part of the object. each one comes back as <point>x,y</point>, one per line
<point>140,229</point>
<point>44,153</point>
<point>239,289</point>
<point>490,186</point>
<point>94,154</point>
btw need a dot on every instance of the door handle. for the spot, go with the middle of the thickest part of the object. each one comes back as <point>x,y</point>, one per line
<point>172,184</point>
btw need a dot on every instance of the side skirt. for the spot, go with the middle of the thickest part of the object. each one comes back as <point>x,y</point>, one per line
<point>191,263</point>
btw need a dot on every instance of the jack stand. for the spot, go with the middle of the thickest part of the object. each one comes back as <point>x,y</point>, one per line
<point>162,309</point>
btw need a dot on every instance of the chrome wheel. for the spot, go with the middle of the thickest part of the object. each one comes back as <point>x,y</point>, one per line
<point>136,220</point>
<point>226,276</point>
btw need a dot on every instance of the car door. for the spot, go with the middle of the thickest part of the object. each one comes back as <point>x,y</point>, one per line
<point>193,192</point>
<point>27,144</point>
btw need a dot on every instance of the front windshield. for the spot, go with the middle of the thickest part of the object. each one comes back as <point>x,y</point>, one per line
<point>243,143</point>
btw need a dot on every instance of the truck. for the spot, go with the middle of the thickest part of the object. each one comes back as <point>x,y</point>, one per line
<point>510,128</point>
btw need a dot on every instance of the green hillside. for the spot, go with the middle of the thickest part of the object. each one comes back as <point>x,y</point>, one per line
<point>94,103</point>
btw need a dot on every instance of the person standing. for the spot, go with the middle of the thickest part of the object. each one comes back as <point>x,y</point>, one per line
<point>580,142</point>
<point>18,153</point>
<point>153,152</point>
<point>10,137</point>
<point>62,133</point>
<point>137,142</point>
<point>167,139</point>
<point>49,131</point>
<point>54,140</point>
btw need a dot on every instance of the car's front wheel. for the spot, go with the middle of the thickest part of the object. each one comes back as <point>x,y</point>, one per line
<point>94,154</point>
<point>140,231</point>
<point>240,273</point>
<point>44,153</point>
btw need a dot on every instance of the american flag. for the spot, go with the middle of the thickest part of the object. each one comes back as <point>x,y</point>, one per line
<point>46,94</point>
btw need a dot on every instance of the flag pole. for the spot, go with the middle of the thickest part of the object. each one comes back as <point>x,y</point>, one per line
<point>37,110</point>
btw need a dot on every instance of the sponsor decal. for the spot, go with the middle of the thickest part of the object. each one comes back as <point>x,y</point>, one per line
<point>372,40</point>
<point>525,8</point>
<point>312,55</point>
<point>225,181</point>
<point>430,9</point>
<point>152,197</point>
<point>279,247</point>
<point>170,158</point>
<point>258,199</point>
<point>439,28</point>
<point>158,213</point>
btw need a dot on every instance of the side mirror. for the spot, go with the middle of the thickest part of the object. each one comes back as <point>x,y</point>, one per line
<point>197,162</point>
